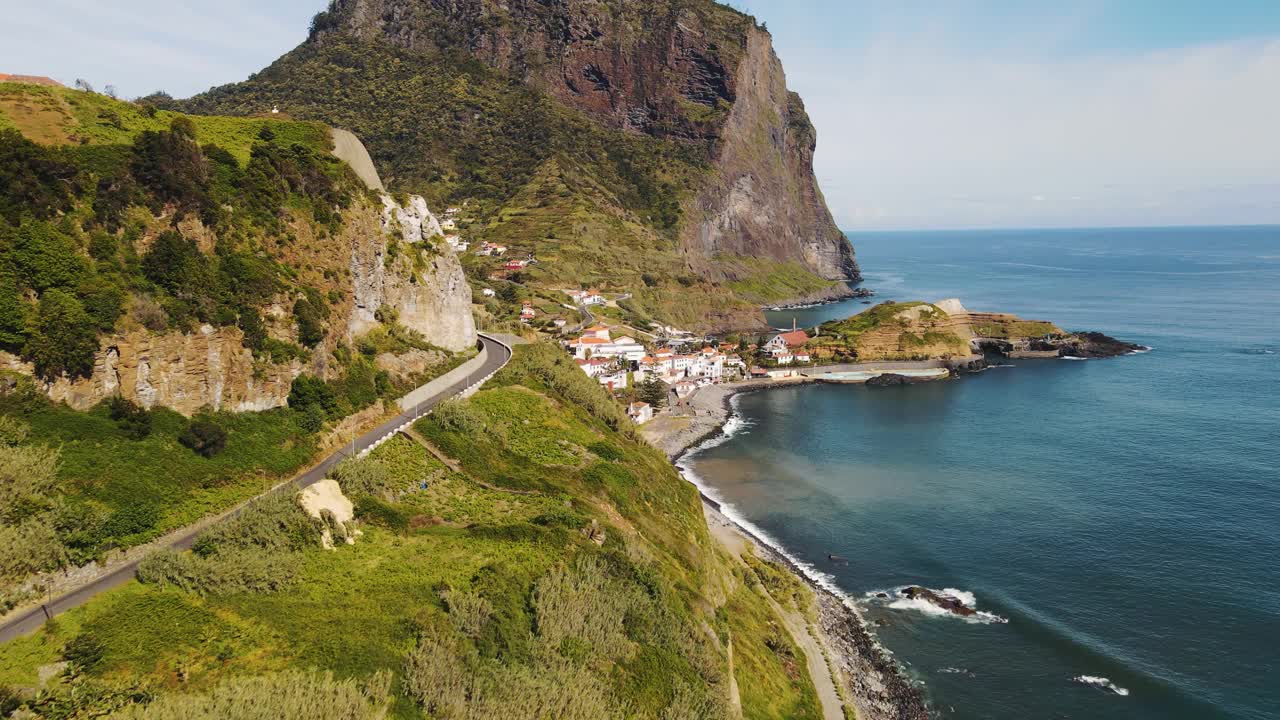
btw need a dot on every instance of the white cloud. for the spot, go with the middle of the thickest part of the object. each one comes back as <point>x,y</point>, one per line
<point>943,138</point>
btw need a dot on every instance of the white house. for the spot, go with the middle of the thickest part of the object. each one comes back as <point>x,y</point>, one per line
<point>640,412</point>
<point>785,343</point>
<point>684,389</point>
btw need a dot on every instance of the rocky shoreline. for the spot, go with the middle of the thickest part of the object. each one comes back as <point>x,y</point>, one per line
<point>877,685</point>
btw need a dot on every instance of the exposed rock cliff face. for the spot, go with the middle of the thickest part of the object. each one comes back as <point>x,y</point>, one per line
<point>185,372</point>
<point>431,297</point>
<point>690,70</point>
<point>765,200</point>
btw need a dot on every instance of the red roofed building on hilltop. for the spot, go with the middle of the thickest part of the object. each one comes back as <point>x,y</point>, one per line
<point>30,80</point>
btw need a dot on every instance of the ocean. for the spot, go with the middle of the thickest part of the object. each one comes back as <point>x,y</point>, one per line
<point>1122,515</point>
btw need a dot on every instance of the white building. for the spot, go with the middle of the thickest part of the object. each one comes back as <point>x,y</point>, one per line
<point>488,292</point>
<point>640,412</point>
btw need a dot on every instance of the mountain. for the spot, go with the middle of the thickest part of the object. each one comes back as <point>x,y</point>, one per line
<point>646,147</point>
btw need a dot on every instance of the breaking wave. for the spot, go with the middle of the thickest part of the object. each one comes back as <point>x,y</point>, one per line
<point>894,599</point>
<point>1101,683</point>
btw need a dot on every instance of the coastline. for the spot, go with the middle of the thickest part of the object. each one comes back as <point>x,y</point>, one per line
<point>874,682</point>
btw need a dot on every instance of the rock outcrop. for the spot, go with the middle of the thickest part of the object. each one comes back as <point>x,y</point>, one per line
<point>183,371</point>
<point>431,297</point>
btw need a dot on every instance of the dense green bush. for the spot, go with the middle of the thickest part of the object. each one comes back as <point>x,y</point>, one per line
<point>271,524</point>
<point>235,571</point>
<point>33,179</point>
<point>66,338</point>
<point>205,437</point>
<point>133,420</point>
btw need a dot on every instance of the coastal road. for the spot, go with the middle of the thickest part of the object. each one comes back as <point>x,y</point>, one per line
<point>497,355</point>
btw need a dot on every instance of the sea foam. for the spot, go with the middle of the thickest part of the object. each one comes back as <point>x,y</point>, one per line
<point>1101,683</point>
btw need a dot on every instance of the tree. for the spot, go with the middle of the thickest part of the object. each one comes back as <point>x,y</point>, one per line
<point>32,181</point>
<point>65,340</point>
<point>654,392</point>
<point>308,390</point>
<point>206,437</point>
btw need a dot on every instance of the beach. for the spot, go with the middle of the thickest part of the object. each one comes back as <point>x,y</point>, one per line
<point>846,660</point>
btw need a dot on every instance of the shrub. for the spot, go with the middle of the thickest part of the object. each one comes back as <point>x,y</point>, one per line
<point>433,677</point>
<point>310,390</point>
<point>236,571</point>
<point>309,312</point>
<point>45,257</point>
<point>363,477</point>
<point>149,313</point>
<point>131,520</point>
<point>460,416</point>
<point>28,548</point>
<point>583,602</point>
<point>133,420</point>
<point>468,611</point>
<point>291,695</point>
<point>28,476</point>
<point>84,651</point>
<point>32,180</point>
<point>205,437</point>
<point>271,524</point>
<point>13,432</point>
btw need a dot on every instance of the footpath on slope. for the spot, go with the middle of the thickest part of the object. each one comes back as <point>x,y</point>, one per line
<point>464,379</point>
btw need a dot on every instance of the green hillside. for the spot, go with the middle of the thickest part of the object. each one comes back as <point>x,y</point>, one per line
<point>551,565</point>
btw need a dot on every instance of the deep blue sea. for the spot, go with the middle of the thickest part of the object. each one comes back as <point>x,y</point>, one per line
<point>1122,515</point>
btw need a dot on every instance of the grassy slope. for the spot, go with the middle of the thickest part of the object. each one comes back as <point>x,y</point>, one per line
<point>358,609</point>
<point>878,334</point>
<point>60,116</point>
<point>157,477</point>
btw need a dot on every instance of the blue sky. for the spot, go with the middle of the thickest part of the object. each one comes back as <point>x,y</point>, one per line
<point>942,114</point>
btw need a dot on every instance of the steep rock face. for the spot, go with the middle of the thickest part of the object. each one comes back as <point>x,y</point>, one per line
<point>431,297</point>
<point>183,371</point>
<point>765,200</point>
<point>695,71</point>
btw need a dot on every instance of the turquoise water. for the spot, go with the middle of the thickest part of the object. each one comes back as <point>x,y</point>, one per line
<point>1122,515</point>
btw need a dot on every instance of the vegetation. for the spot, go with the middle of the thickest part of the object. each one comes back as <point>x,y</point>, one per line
<point>105,217</point>
<point>562,570</point>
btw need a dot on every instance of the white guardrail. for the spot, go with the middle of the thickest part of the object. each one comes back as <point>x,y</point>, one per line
<point>411,404</point>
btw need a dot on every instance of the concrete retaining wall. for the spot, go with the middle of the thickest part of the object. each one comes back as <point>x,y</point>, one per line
<point>408,402</point>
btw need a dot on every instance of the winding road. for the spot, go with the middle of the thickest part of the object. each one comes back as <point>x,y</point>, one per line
<point>497,355</point>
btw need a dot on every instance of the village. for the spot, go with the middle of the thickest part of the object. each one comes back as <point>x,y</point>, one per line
<point>651,370</point>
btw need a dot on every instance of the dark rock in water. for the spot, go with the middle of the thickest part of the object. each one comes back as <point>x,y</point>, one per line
<point>862,293</point>
<point>883,596</point>
<point>837,559</point>
<point>866,302</point>
<point>946,602</point>
<point>1094,345</point>
<point>888,379</point>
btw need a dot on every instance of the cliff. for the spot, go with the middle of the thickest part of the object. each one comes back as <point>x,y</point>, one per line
<point>611,140</point>
<point>206,262</point>
<point>212,368</point>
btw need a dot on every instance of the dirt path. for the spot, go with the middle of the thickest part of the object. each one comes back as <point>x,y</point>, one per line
<point>797,625</point>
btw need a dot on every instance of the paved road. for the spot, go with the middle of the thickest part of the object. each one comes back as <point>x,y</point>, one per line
<point>27,622</point>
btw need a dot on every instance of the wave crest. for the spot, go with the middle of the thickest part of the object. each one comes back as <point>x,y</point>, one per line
<point>1101,683</point>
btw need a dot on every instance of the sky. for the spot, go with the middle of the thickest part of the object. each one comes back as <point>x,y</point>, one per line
<point>930,115</point>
